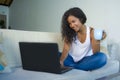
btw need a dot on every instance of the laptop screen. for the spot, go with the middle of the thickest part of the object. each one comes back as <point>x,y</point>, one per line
<point>40,56</point>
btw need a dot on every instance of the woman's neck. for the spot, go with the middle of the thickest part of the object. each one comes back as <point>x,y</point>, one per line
<point>82,30</point>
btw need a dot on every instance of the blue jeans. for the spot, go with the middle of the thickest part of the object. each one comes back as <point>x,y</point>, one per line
<point>92,62</point>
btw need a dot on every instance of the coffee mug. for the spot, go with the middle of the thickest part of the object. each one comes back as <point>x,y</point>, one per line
<point>98,33</point>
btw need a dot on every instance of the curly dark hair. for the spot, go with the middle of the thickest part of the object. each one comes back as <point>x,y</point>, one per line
<point>67,32</point>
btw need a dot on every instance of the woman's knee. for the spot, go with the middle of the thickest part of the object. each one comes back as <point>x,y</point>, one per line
<point>102,58</point>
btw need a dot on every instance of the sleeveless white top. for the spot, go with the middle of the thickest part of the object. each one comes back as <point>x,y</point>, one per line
<point>79,50</point>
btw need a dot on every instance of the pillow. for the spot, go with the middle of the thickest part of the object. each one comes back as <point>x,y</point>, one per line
<point>104,48</point>
<point>113,49</point>
<point>3,64</point>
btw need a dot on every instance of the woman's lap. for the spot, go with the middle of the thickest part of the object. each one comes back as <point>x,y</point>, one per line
<point>87,63</point>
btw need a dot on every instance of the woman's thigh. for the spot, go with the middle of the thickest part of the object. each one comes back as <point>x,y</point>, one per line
<point>92,62</point>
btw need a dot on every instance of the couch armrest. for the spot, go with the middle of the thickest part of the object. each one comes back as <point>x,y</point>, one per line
<point>113,49</point>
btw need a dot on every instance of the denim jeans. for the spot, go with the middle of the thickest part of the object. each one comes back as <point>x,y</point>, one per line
<point>92,62</point>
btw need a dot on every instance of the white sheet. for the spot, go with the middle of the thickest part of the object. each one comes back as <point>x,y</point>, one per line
<point>20,74</point>
<point>111,67</point>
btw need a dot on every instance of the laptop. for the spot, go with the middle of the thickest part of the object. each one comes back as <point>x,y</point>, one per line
<point>41,57</point>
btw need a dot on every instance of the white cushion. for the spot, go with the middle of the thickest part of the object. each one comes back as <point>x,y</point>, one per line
<point>11,39</point>
<point>110,68</point>
<point>3,64</point>
<point>104,47</point>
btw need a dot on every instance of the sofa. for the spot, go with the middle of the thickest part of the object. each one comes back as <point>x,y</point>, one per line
<point>9,45</point>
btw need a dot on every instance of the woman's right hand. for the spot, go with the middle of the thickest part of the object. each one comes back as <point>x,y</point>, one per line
<point>64,53</point>
<point>61,63</point>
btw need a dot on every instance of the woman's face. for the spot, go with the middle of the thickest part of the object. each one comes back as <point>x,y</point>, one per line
<point>74,23</point>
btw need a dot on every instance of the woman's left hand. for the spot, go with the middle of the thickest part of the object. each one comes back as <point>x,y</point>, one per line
<point>104,35</point>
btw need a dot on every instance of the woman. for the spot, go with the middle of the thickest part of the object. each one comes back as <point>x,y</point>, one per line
<point>81,50</point>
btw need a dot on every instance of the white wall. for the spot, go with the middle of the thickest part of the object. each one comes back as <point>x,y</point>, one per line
<point>112,18</point>
<point>4,10</point>
<point>41,15</point>
<point>45,15</point>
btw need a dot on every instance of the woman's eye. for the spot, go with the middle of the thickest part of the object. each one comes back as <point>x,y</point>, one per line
<point>73,21</point>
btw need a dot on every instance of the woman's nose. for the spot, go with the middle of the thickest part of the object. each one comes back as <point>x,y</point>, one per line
<point>72,25</point>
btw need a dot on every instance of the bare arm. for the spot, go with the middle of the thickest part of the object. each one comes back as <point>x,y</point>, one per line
<point>64,52</point>
<point>96,43</point>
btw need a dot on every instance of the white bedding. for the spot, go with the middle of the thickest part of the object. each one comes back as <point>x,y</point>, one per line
<point>74,74</point>
<point>20,74</point>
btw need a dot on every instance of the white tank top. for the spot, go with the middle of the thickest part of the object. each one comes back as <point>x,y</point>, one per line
<point>79,50</point>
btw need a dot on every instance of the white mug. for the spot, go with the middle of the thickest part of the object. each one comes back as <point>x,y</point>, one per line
<point>98,33</point>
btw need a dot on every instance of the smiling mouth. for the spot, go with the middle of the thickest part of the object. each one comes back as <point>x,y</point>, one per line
<point>74,29</point>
